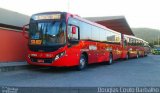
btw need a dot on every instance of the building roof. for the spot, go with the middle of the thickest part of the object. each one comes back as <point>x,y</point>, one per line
<point>117,23</point>
<point>12,19</point>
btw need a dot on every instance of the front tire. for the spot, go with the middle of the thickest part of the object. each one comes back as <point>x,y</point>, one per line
<point>127,56</point>
<point>137,56</point>
<point>145,54</point>
<point>82,63</point>
<point>110,59</point>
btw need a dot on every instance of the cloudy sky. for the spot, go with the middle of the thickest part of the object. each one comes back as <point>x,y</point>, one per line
<point>139,13</point>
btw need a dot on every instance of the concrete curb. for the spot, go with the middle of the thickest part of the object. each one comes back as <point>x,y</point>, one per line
<point>13,66</point>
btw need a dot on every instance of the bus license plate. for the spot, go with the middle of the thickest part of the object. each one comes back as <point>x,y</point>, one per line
<point>40,61</point>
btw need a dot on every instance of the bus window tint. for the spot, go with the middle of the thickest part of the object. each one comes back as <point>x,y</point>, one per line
<point>95,33</point>
<point>118,38</point>
<point>73,22</point>
<point>85,31</point>
<point>103,35</point>
<point>72,36</point>
<point>110,36</point>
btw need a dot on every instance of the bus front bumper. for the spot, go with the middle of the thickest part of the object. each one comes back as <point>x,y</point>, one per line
<point>64,61</point>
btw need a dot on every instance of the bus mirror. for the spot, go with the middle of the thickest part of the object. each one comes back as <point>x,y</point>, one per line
<point>73,30</point>
<point>24,32</point>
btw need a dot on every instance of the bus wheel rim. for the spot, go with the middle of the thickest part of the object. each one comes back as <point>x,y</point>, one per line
<point>82,63</point>
<point>110,59</point>
<point>127,56</point>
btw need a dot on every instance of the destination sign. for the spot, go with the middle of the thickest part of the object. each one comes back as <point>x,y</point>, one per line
<point>51,16</point>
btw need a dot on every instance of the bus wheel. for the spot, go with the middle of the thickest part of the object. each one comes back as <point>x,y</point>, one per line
<point>110,59</point>
<point>145,54</point>
<point>127,56</point>
<point>82,62</point>
<point>137,56</point>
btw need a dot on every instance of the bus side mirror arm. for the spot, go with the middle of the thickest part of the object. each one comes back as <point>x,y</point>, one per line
<point>24,32</point>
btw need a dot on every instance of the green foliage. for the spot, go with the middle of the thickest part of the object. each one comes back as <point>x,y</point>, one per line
<point>147,34</point>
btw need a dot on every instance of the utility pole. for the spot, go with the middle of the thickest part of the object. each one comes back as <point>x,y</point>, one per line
<point>155,39</point>
<point>68,5</point>
<point>158,40</point>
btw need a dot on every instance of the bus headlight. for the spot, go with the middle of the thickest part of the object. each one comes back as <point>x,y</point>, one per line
<point>59,55</point>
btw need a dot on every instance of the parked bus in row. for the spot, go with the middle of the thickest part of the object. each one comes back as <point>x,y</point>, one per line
<point>135,47</point>
<point>63,39</point>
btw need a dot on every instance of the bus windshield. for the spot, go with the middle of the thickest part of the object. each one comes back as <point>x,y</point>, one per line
<point>47,32</point>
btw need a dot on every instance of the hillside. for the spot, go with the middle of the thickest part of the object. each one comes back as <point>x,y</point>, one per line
<point>147,34</point>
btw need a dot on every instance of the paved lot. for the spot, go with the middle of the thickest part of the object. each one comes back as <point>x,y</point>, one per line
<point>134,72</point>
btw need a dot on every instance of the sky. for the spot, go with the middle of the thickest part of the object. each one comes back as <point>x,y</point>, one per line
<point>139,13</point>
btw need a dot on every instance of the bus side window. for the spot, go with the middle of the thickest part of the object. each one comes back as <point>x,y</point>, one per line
<point>73,35</point>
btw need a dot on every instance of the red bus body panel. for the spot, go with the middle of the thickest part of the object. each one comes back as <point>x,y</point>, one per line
<point>72,55</point>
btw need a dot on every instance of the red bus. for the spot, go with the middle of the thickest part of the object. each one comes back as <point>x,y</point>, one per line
<point>62,39</point>
<point>134,47</point>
